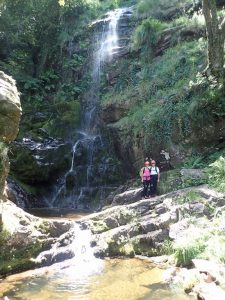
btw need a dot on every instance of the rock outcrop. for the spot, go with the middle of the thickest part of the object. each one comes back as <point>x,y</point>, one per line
<point>10,108</point>
<point>10,113</point>
<point>37,161</point>
<point>24,236</point>
<point>143,227</point>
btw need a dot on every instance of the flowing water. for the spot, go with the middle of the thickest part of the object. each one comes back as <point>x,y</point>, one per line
<point>91,166</point>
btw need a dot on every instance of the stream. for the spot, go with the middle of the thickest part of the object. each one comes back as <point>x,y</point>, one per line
<point>127,279</point>
<point>86,277</point>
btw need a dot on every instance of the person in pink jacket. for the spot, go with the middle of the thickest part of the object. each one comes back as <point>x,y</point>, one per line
<point>145,179</point>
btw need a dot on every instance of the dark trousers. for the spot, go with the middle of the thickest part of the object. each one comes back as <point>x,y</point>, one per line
<point>146,184</point>
<point>153,184</point>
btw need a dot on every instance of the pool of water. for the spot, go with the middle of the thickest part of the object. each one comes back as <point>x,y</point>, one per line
<point>114,279</point>
<point>58,214</point>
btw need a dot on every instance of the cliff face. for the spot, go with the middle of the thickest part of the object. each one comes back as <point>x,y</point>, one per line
<point>10,113</point>
<point>161,106</point>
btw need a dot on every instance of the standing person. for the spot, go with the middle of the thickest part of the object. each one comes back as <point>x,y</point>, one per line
<point>145,179</point>
<point>155,176</point>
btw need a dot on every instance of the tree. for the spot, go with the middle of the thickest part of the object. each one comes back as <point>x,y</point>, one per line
<point>215,28</point>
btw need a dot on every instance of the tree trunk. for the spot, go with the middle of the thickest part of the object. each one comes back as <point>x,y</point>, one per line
<point>215,35</point>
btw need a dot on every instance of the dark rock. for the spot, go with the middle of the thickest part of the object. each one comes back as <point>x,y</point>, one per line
<point>37,162</point>
<point>18,195</point>
<point>127,197</point>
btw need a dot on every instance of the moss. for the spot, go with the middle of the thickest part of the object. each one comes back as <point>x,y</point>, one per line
<point>118,248</point>
<point>44,227</point>
<point>99,226</point>
<point>113,248</point>
<point>127,250</point>
<point>16,259</point>
<point>144,248</point>
<point>32,190</point>
<point>125,216</point>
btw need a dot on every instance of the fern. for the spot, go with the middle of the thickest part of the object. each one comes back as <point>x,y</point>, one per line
<point>216,174</point>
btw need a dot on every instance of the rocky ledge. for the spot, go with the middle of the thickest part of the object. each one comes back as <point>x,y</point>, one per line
<point>24,236</point>
<point>142,227</point>
<point>185,225</point>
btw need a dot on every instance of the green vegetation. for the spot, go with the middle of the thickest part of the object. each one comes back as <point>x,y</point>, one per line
<point>166,100</point>
<point>16,260</point>
<point>208,243</point>
<point>157,8</point>
<point>3,155</point>
<point>163,110</point>
<point>190,196</point>
<point>216,174</point>
<point>146,36</point>
<point>185,252</point>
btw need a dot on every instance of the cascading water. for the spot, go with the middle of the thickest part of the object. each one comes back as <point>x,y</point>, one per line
<point>86,179</point>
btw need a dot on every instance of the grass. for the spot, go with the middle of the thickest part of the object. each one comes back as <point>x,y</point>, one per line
<point>186,252</point>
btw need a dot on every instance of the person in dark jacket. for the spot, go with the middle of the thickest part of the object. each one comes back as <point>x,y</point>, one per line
<point>155,177</point>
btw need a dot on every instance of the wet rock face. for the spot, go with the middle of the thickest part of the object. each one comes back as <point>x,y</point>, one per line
<point>37,162</point>
<point>10,108</point>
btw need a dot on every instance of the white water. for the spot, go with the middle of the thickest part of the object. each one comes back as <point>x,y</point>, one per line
<point>108,43</point>
<point>84,263</point>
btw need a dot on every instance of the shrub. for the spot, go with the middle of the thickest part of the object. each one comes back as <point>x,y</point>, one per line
<point>157,8</point>
<point>216,174</point>
<point>146,36</point>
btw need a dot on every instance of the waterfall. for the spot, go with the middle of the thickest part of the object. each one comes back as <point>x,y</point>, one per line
<point>86,178</point>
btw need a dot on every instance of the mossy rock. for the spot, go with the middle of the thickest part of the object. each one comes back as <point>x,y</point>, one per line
<point>99,226</point>
<point>144,248</point>
<point>16,259</point>
<point>38,165</point>
<point>120,249</point>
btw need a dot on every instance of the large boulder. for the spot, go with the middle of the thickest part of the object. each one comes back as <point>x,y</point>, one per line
<point>10,112</point>
<point>24,236</point>
<point>10,108</point>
